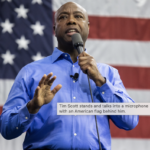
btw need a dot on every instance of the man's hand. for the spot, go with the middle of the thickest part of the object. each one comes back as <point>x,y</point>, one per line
<point>88,66</point>
<point>43,95</point>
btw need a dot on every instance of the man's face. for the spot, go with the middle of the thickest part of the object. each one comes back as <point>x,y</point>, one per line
<point>70,19</point>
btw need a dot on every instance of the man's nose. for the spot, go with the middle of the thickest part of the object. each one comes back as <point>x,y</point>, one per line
<point>71,20</point>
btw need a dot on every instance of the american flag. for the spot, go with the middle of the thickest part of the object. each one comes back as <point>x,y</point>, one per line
<point>119,36</point>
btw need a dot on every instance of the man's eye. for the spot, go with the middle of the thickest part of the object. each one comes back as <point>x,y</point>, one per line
<point>62,17</point>
<point>78,16</point>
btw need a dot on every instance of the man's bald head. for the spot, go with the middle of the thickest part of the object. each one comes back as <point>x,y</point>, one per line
<point>71,3</point>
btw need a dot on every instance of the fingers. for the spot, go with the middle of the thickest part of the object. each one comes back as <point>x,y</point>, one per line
<point>85,68</point>
<point>84,58</point>
<point>83,54</point>
<point>37,91</point>
<point>46,79</point>
<point>86,63</point>
<point>50,82</point>
<point>56,89</point>
<point>42,80</point>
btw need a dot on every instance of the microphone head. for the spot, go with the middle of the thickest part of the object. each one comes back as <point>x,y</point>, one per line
<point>77,40</point>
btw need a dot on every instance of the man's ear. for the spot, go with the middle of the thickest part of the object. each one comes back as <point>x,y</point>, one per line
<point>54,29</point>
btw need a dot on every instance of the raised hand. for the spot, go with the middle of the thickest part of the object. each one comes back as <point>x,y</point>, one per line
<point>43,94</point>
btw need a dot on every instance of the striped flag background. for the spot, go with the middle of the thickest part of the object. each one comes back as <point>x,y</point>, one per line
<point>119,36</point>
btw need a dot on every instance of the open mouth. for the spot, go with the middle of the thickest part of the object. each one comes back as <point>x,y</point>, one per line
<point>71,31</point>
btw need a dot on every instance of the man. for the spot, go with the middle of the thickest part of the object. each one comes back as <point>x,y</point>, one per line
<point>32,103</point>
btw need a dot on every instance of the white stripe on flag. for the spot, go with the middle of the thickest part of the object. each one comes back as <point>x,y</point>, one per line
<point>118,52</point>
<point>15,144</point>
<point>5,86</point>
<point>130,144</point>
<point>138,95</point>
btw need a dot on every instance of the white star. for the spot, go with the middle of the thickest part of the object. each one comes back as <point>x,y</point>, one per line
<point>38,56</point>
<point>22,12</point>
<point>8,58</point>
<point>6,0</point>
<point>7,26</point>
<point>37,1</point>
<point>38,28</point>
<point>22,43</point>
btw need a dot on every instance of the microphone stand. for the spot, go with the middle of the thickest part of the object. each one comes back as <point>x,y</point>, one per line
<point>78,45</point>
<point>95,115</point>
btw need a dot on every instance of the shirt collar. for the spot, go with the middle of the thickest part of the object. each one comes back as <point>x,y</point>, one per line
<point>57,53</point>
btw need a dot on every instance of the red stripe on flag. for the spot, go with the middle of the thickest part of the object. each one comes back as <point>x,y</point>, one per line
<point>119,28</point>
<point>1,107</point>
<point>142,130</point>
<point>135,77</point>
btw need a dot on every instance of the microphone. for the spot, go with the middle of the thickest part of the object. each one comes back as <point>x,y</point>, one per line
<point>77,42</point>
<point>75,77</point>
